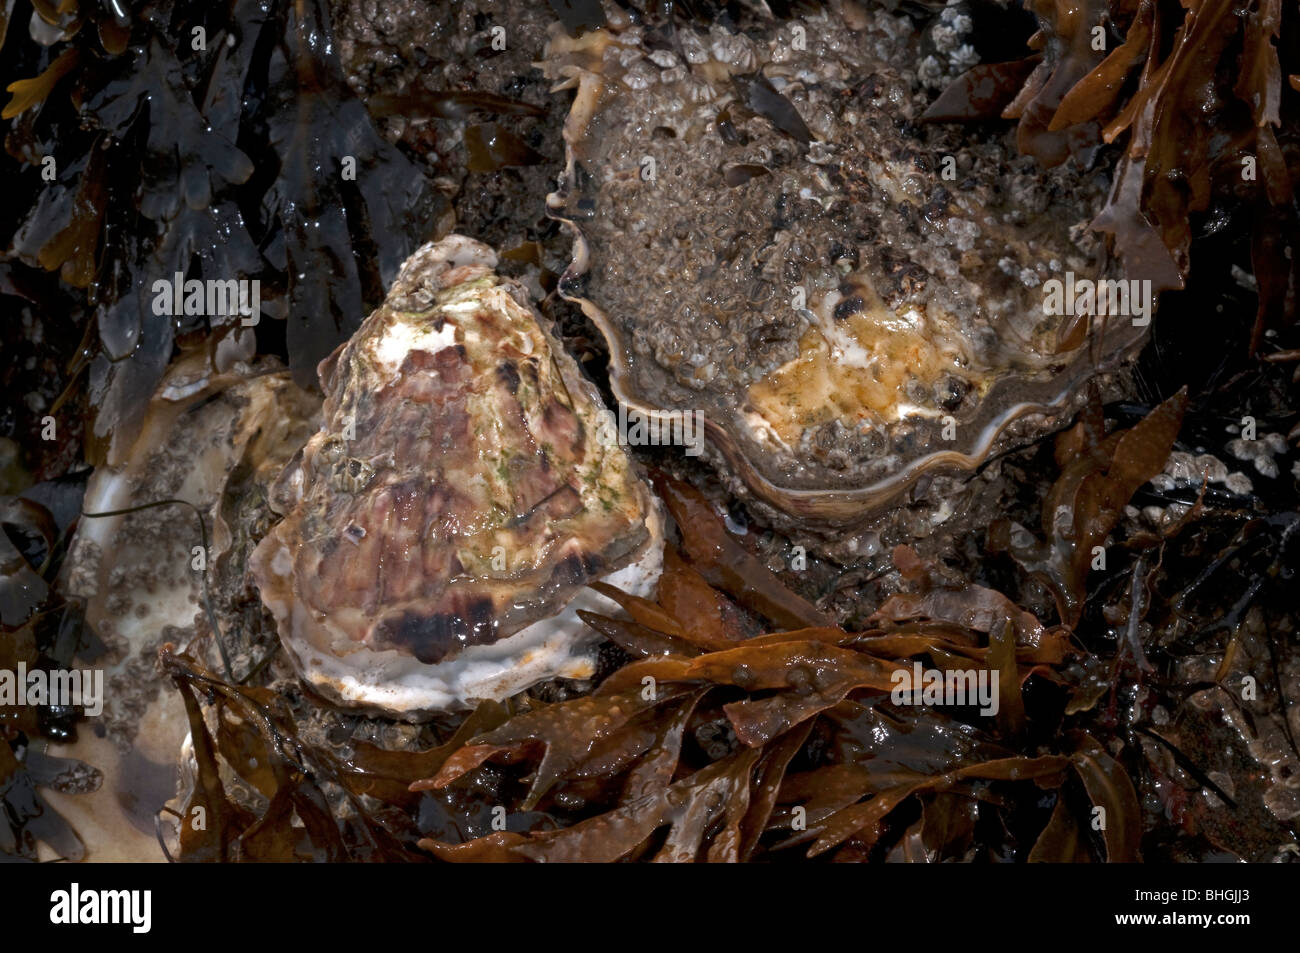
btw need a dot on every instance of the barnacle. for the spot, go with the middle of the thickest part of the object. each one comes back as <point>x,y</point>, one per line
<point>847,315</point>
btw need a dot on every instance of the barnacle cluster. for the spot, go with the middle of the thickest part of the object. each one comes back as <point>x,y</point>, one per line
<point>852,298</point>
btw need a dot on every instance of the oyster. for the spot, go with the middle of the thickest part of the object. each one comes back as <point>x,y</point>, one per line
<point>205,438</point>
<point>765,232</point>
<point>461,492</point>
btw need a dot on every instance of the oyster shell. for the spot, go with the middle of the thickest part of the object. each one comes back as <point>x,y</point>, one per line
<point>458,497</point>
<point>204,437</point>
<point>765,233</point>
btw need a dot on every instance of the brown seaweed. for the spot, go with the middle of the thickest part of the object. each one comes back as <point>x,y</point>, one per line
<point>727,565</point>
<point>1197,93</point>
<point>1087,500</point>
<point>258,740</point>
<point>139,128</point>
<point>719,742</point>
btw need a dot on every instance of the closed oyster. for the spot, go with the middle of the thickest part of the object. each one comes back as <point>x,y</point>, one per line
<point>454,503</point>
<point>765,231</point>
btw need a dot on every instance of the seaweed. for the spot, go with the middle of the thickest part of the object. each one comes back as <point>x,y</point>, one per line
<point>1197,90</point>
<point>565,733</point>
<point>256,737</point>
<point>22,588</point>
<point>26,819</point>
<point>741,724</point>
<point>216,143</point>
<point>1098,479</point>
<point>323,213</point>
<point>37,632</point>
<point>728,566</point>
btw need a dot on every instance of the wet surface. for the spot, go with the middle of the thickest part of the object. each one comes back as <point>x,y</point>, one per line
<point>1182,674</point>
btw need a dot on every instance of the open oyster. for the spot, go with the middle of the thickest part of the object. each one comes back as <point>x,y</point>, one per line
<point>459,495</point>
<point>765,232</point>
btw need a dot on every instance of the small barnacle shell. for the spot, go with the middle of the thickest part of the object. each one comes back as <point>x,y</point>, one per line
<point>734,49</point>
